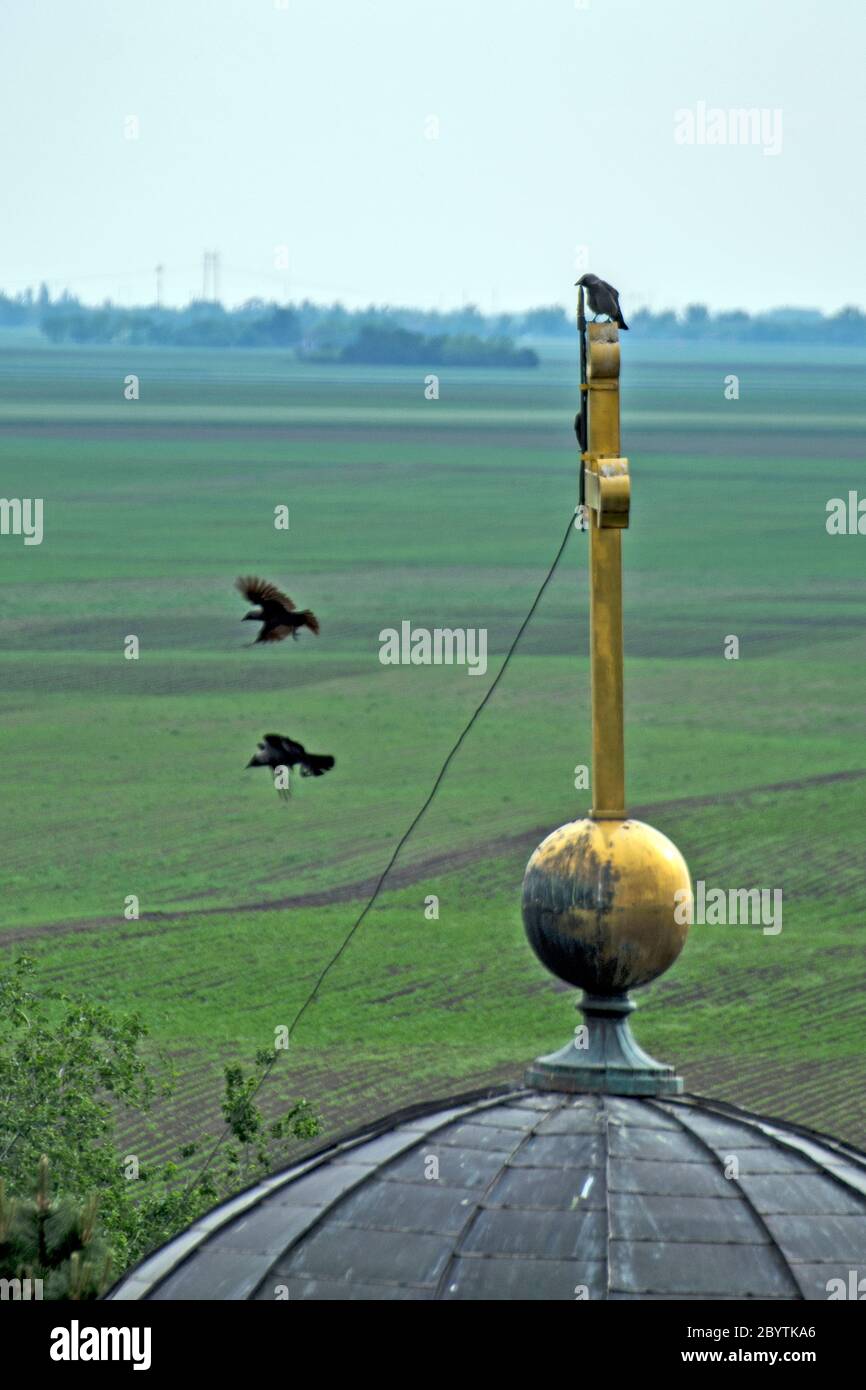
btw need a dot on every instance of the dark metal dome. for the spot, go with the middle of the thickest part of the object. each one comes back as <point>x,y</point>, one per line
<point>538,1195</point>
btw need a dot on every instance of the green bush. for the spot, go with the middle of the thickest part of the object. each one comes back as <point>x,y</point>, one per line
<point>68,1070</point>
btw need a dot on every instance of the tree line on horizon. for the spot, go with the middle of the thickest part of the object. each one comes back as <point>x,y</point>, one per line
<point>386,333</point>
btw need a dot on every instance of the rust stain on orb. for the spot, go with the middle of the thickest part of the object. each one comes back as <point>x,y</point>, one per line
<point>600,904</point>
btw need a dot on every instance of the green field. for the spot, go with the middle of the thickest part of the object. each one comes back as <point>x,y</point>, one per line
<point>127,777</point>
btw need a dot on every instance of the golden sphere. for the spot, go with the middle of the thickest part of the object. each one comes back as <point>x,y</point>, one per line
<point>601,906</point>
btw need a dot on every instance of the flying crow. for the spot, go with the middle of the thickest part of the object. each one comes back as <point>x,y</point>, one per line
<point>276,611</point>
<point>602,298</point>
<point>275,752</point>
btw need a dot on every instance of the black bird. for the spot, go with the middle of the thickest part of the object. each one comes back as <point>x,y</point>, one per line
<point>602,298</point>
<point>276,613</point>
<point>275,752</point>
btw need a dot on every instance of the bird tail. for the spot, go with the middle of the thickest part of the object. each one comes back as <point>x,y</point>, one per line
<point>621,321</point>
<point>310,619</point>
<point>316,764</point>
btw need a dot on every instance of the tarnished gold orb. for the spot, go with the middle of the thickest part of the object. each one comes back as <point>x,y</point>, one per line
<point>606,904</point>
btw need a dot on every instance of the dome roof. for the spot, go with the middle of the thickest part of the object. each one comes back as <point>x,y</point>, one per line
<point>537,1195</point>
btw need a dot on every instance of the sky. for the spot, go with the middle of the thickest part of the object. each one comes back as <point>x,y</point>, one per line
<point>435,152</point>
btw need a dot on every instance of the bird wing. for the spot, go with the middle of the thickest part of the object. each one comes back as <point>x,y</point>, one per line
<point>264,594</point>
<point>273,634</point>
<point>316,765</point>
<point>285,747</point>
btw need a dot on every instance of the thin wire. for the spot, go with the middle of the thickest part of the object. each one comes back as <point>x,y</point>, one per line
<point>323,974</point>
<point>436,785</point>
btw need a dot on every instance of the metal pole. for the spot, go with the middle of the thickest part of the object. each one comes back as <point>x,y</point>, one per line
<point>580,422</point>
<point>605,576</point>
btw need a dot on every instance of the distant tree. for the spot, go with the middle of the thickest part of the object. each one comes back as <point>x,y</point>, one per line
<point>389,345</point>
<point>398,346</point>
<point>205,329</point>
<point>696,320</point>
<point>733,319</point>
<point>649,325</point>
<point>469,319</point>
<point>277,327</point>
<point>849,325</point>
<point>94,326</point>
<point>550,322</point>
<point>13,311</point>
<point>55,327</point>
<point>332,332</point>
<point>252,306</point>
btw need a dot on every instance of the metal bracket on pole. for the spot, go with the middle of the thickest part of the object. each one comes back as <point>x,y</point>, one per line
<point>608,491</point>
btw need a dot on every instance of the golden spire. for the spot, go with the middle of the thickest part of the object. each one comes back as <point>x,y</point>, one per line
<point>606,899</point>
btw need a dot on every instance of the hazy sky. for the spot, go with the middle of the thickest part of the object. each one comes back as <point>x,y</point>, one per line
<point>306,124</point>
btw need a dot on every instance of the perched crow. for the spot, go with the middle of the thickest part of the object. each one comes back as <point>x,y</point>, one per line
<point>602,298</point>
<point>276,611</point>
<point>274,751</point>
